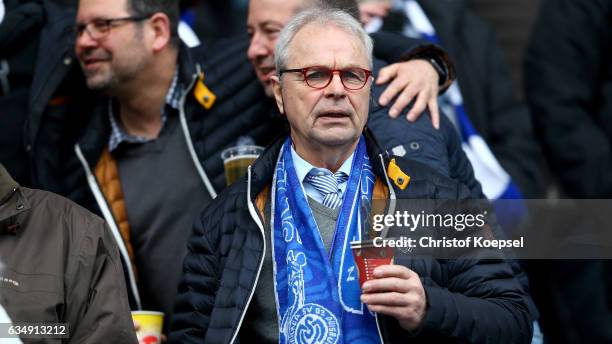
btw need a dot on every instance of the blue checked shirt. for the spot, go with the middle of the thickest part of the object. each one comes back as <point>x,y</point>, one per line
<point>118,134</point>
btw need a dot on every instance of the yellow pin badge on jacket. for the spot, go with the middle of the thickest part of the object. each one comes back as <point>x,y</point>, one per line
<point>203,94</point>
<point>398,176</point>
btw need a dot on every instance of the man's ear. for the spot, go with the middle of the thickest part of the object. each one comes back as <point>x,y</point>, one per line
<point>160,25</point>
<point>278,95</point>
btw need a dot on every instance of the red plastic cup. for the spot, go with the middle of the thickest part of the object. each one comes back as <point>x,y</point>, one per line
<point>368,257</point>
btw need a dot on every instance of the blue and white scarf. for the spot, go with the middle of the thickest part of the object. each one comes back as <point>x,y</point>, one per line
<point>318,294</point>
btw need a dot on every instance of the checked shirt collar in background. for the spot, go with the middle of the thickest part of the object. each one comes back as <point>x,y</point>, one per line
<point>118,134</point>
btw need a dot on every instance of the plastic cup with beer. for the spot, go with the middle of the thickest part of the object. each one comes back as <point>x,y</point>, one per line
<point>150,326</point>
<point>236,160</point>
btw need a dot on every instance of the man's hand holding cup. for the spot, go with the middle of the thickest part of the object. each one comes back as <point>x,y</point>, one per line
<point>396,291</point>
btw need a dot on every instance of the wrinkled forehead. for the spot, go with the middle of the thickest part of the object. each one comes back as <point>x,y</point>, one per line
<point>326,45</point>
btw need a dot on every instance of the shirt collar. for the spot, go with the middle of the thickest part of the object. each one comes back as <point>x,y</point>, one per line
<point>173,97</point>
<point>302,167</point>
<point>119,135</point>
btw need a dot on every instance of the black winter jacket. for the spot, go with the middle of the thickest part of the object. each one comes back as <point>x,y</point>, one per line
<point>469,301</point>
<point>568,83</point>
<point>46,102</point>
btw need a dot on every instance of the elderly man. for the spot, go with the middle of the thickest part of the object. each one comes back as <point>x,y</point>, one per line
<point>265,259</point>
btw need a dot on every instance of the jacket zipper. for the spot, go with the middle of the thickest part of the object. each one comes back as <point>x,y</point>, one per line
<point>108,216</point>
<point>391,192</point>
<point>192,152</point>
<point>257,220</point>
<point>392,200</point>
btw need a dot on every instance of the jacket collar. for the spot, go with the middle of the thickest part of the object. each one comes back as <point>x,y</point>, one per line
<point>262,171</point>
<point>187,67</point>
<point>12,203</point>
<point>374,151</point>
<point>7,185</point>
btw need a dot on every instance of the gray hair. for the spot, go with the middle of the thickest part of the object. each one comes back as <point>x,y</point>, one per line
<point>322,16</point>
<point>349,6</point>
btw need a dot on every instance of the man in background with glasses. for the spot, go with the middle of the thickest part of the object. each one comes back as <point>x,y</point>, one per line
<point>269,260</point>
<point>139,160</point>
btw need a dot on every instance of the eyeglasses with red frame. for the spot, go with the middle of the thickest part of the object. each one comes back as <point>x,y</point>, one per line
<point>319,77</point>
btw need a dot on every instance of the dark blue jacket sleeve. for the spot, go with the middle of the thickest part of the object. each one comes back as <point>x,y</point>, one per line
<point>196,293</point>
<point>569,89</point>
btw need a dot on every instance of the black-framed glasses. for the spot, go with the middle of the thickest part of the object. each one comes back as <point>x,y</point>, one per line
<point>100,28</point>
<point>353,78</point>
